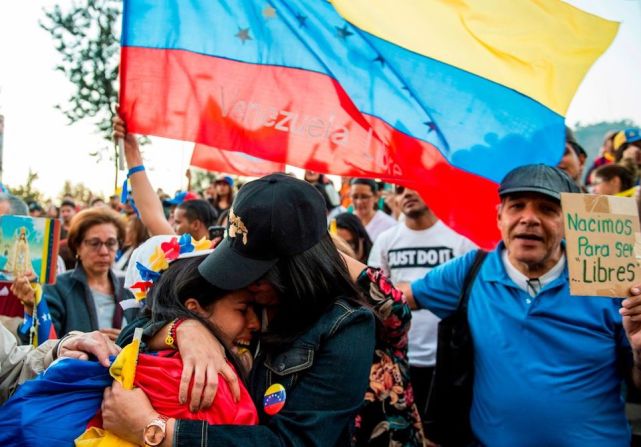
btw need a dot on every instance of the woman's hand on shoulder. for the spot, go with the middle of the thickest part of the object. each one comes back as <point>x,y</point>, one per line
<point>203,359</point>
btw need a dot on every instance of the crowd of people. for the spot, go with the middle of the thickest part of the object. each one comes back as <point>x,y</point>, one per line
<point>301,312</point>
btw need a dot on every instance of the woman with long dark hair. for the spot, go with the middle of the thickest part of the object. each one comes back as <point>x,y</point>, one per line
<point>614,180</point>
<point>135,234</point>
<point>313,363</point>
<point>351,230</point>
<point>224,188</point>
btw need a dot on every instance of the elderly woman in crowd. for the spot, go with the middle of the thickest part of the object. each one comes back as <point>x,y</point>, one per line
<point>86,298</point>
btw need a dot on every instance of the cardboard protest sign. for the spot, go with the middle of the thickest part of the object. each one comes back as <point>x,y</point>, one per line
<point>603,244</point>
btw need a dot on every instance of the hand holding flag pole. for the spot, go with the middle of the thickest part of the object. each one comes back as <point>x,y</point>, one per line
<point>119,141</point>
<point>121,153</point>
<point>37,320</point>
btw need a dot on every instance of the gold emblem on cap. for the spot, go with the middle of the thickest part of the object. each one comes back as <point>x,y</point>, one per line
<point>236,226</point>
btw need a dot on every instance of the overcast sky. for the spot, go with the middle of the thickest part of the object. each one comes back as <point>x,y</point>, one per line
<point>37,137</point>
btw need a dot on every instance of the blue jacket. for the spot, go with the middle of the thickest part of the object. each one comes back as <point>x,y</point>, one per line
<point>325,373</point>
<point>72,306</point>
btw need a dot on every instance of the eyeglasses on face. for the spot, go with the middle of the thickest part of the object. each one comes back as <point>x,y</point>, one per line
<point>96,244</point>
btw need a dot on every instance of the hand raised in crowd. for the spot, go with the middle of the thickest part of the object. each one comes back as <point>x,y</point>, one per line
<point>149,206</point>
<point>203,359</point>
<point>81,345</point>
<point>132,151</point>
<point>23,290</point>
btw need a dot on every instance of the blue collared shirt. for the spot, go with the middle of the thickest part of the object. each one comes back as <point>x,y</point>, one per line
<point>547,369</point>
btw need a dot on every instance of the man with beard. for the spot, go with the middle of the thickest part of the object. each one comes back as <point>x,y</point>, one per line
<point>406,252</point>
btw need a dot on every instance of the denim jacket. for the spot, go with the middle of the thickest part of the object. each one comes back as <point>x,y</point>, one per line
<point>325,373</point>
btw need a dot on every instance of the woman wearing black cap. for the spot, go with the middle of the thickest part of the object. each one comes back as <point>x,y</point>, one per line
<point>313,362</point>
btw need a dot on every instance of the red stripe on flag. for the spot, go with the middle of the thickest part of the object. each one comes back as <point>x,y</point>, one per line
<point>212,159</point>
<point>52,333</point>
<point>297,117</point>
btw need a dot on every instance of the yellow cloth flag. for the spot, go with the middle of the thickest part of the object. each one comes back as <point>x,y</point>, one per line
<point>123,369</point>
<point>95,437</point>
<point>541,48</point>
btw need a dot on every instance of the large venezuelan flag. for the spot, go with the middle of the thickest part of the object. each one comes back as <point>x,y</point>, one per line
<point>442,96</point>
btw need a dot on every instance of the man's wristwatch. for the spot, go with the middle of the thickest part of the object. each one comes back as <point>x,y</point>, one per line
<point>155,431</point>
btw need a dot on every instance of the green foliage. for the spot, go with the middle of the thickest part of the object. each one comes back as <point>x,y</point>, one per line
<point>27,192</point>
<point>201,179</point>
<point>84,33</point>
<point>78,192</point>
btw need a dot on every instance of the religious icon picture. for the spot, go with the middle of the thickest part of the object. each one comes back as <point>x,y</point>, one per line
<point>29,244</point>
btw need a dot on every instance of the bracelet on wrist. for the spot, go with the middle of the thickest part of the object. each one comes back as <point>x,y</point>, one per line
<point>171,339</point>
<point>135,169</point>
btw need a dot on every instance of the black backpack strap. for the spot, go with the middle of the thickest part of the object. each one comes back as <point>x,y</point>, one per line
<point>479,257</point>
<point>447,413</point>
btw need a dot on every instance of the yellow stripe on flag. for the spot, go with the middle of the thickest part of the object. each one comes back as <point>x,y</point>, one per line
<point>123,368</point>
<point>44,277</point>
<point>541,48</point>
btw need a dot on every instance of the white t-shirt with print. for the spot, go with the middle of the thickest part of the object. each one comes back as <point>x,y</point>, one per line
<point>379,223</point>
<point>406,255</point>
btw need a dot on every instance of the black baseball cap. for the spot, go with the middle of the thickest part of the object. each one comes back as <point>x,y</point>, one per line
<point>273,217</point>
<point>547,180</point>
